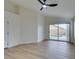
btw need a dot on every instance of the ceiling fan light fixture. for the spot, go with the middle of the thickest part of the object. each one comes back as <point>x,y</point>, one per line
<point>44,6</point>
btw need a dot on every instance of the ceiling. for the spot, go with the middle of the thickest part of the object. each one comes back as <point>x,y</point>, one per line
<point>65,8</point>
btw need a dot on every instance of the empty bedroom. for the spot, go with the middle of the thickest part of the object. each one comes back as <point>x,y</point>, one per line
<point>39,29</point>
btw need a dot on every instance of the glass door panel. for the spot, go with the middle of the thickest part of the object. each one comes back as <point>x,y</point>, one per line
<point>53,32</point>
<point>64,32</point>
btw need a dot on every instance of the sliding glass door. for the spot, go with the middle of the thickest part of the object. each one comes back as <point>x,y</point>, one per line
<point>59,32</point>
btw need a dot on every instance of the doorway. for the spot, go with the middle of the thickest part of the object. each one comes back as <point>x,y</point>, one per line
<point>59,32</point>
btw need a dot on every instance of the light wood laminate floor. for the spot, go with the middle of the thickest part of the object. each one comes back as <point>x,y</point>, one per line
<point>43,50</point>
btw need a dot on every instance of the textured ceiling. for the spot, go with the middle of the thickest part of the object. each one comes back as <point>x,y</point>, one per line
<point>65,8</point>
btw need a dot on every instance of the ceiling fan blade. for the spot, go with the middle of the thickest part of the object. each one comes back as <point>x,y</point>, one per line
<point>41,2</point>
<point>51,5</point>
<point>44,0</point>
<point>41,9</point>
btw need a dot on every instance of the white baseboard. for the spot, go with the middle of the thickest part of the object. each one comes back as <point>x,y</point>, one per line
<point>13,45</point>
<point>28,42</point>
<point>16,44</point>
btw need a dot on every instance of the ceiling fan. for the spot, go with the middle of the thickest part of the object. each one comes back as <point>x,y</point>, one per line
<point>44,4</point>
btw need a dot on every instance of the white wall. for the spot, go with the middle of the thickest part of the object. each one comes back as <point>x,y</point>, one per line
<point>26,26</point>
<point>41,24</point>
<point>32,26</point>
<point>11,7</point>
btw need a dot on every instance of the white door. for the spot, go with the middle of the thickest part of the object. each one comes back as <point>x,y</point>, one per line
<point>6,32</point>
<point>11,29</point>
